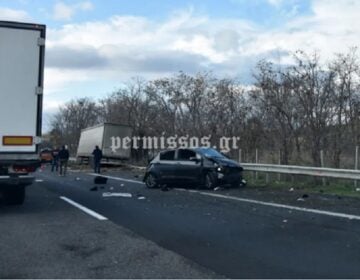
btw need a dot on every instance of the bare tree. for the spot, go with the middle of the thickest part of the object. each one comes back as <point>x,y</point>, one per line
<point>71,118</point>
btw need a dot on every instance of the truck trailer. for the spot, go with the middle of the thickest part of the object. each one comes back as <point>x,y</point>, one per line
<point>103,135</point>
<point>22,52</point>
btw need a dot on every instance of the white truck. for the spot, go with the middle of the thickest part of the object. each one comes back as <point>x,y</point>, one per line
<point>22,53</point>
<point>102,136</point>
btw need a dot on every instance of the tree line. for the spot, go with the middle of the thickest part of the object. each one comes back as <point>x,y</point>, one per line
<point>298,109</point>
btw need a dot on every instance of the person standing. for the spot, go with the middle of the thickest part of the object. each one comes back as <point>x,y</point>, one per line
<point>97,153</point>
<point>63,159</point>
<point>55,160</point>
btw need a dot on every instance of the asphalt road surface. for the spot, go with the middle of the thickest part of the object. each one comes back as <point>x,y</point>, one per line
<point>168,234</point>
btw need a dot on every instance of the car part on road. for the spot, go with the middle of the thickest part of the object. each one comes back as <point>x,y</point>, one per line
<point>100,180</point>
<point>109,194</point>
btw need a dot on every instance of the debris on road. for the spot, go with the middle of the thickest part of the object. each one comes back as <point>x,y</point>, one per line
<point>285,221</point>
<point>218,189</point>
<point>109,194</point>
<point>100,180</point>
<point>140,196</point>
<point>77,179</point>
<point>291,189</point>
<point>121,185</point>
<point>357,189</point>
<point>300,199</point>
<point>94,189</point>
<point>39,180</point>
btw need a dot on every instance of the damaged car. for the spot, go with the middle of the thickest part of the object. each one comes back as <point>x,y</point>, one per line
<point>193,167</point>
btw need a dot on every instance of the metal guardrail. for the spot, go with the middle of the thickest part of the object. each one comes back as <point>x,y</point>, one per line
<point>303,170</point>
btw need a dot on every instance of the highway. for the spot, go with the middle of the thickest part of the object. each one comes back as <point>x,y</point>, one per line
<point>71,228</point>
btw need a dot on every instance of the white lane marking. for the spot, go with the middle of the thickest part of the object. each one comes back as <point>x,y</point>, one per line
<point>309,210</point>
<point>83,208</point>
<point>116,178</point>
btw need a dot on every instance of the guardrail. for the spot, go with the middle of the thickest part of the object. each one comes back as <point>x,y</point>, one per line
<point>303,170</point>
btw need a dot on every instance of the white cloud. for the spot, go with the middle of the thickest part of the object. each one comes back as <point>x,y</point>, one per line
<point>13,15</point>
<point>52,106</point>
<point>124,46</point>
<point>85,6</point>
<point>333,26</point>
<point>62,11</point>
<point>275,3</point>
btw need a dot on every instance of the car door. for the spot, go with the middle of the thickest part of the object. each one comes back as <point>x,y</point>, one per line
<point>187,168</point>
<point>166,166</point>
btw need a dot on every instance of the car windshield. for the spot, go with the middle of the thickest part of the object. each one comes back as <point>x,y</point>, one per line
<point>208,152</point>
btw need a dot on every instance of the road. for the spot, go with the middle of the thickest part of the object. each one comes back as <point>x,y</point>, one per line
<point>206,236</point>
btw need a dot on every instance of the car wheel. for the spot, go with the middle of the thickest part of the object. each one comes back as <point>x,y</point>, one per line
<point>210,181</point>
<point>150,181</point>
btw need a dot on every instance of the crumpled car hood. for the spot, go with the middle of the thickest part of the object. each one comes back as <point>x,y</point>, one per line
<point>226,162</point>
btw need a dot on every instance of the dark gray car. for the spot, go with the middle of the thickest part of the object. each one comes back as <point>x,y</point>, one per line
<point>193,167</point>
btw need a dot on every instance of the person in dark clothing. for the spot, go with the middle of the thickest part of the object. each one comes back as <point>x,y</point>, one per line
<point>97,153</point>
<point>63,159</point>
<point>55,160</point>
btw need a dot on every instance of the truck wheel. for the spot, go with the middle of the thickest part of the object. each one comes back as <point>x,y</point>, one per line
<point>14,195</point>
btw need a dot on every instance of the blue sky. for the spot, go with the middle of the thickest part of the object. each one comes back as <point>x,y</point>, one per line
<point>267,13</point>
<point>94,46</point>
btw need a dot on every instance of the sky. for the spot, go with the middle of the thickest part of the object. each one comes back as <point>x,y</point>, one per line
<point>93,47</point>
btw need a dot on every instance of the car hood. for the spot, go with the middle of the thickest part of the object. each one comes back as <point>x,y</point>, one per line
<point>226,162</point>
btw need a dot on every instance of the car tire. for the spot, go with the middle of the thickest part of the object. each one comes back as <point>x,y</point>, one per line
<point>151,181</point>
<point>209,181</point>
<point>14,195</point>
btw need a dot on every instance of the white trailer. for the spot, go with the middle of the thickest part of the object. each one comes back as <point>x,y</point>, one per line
<point>101,135</point>
<point>22,52</point>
